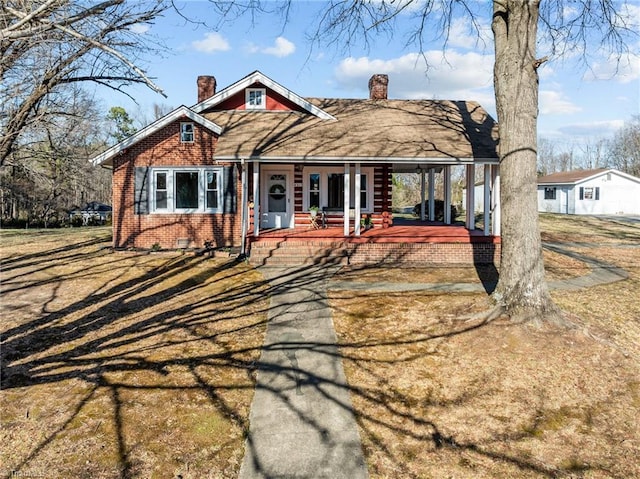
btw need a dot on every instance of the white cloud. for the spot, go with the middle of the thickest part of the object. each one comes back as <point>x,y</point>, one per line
<point>623,69</point>
<point>463,34</point>
<point>213,42</point>
<point>592,129</point>
<point>281,48</point>
<point>139,28</point>
<point>467,76</point>
<point>553,102</point>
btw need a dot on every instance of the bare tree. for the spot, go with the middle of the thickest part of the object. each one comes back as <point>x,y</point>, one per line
<point>47,44</point>
<point>50,172</point>
<point>624,148</point>
<point>566,26</point>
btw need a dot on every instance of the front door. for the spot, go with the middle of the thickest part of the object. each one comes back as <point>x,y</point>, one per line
<point>276,200</point>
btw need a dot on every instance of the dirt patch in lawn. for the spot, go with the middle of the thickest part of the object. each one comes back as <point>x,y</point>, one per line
<point>124,365</point>
<point>437,394</point>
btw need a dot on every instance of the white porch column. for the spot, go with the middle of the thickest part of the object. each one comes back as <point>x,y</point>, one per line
<point>495,177</point>
<point>486,208</point>
<point>447,194</point>
<point>356,197</point>
<point>432,194</point>
<point>245,206</point>
<point>256,199</point>
<point>470,171</point>
<point>347,195</point>
<point>422,194</point>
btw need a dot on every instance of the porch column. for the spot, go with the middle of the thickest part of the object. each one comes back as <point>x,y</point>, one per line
<point>432,194</point>
<point>256,199</point>
<point>245,206</point>
<point>495,182</point>
<point>447,194</point>
<point>422,194</point>
<point>486,209</point>
<point>356,197</point>
<point>347,195</point>
<point>470,171</point>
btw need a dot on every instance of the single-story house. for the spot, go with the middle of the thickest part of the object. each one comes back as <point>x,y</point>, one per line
<point>93,212</point>
<point>478,189</point>
<point>253,161</point>
<point>589,192</point>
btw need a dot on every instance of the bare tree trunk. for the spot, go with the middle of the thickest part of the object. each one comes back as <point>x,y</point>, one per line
<point>522,289</point>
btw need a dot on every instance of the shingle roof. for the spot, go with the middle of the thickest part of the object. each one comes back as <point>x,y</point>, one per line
<point>442,131</point>
<point>565,177</point>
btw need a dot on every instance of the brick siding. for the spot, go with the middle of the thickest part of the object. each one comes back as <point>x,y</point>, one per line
<point>163,148</point>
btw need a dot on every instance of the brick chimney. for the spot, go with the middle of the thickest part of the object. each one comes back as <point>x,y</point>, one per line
<point>206,87</point>
<point>378,87</point>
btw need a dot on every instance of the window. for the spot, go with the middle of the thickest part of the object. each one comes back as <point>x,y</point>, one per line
<point>314,189</point>
<point>590,193</point>
<point>212,190</point>
<point>363,191</point>
<point>192,190</point>
<point>256,98</point>
<point>550,193</point>
<point>335,191</point>
<point>186,132</point>
<point>161,190</point>
<point>186,184</point>
<point>324,187</point>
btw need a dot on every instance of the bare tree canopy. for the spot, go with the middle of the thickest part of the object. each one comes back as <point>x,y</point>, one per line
<point>46,44</point>
<point>624,148</point>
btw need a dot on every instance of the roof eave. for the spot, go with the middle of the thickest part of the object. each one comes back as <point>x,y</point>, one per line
<point>104,158</point>
<point>258,77</point>
<point>359,159</point>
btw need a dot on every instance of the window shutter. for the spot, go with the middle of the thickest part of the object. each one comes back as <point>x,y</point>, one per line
<point>581,193</point>
<point>229,199</point>
<point>597,192</point>
<point>141,191</point>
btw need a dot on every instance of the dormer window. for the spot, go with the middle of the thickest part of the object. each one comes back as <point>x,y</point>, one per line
<point>256,98</point>
<point>186,132</point>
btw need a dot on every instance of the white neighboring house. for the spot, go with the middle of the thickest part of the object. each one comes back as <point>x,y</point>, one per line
<point>589,192</point>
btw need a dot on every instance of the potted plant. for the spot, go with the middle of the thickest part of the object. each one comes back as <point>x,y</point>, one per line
<point>313,211</point>
<point>366,222</point>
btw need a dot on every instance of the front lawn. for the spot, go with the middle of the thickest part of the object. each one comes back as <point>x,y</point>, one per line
<point>438,395</point>
<point>124,365</point>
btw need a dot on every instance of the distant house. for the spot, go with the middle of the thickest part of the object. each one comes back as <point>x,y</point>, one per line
<point>586,192</point>
<point>91,214</point>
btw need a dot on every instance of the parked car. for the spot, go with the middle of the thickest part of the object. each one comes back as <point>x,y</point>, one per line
<point>439,210</point>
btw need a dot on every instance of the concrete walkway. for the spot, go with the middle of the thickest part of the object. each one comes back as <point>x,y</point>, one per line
<point>301,422</point>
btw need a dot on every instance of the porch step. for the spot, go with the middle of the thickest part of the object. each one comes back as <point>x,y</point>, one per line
<point>298,253</point>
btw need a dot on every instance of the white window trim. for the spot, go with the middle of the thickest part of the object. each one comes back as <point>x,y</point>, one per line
<point>202,190</point>
<point>263,97</point>
<point>324,171</point>
<point>183,132</point>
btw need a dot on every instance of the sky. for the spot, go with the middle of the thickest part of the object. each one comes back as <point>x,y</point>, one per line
<point>578,105</point>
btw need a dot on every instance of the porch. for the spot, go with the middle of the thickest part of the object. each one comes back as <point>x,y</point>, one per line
<point>404,243</point>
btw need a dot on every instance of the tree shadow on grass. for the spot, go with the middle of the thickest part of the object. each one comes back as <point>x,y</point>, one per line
<point>167,348</point>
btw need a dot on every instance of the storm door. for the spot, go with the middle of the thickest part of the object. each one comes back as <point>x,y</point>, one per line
<point>276,200</point>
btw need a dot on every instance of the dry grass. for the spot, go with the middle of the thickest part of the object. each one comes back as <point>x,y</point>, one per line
<point>131,365</point>
<point>587,229</point>
<point>124,365</point>
<point>440,397</point>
